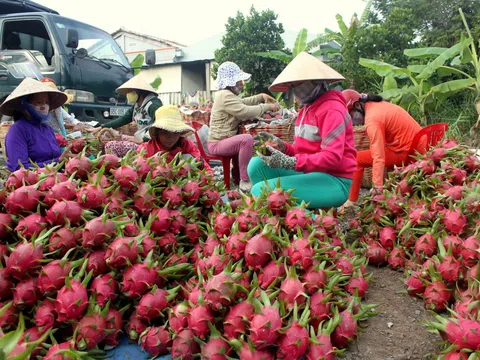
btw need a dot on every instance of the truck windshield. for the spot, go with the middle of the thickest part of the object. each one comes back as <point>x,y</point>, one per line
<point>98,43</point>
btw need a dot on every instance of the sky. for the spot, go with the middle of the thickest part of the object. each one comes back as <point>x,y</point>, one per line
<point>190,21</point>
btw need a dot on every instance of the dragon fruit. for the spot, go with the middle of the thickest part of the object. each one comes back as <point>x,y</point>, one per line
<point>184,346</point>
<point>63,212</point>
<point>20,178</point>
<point>216,348</point>
<point>52,276</point>
<point>437,296</point>
<point>26,294</point>
<point>265,324</point>
<point>104,288</point>
<point>122,251</point>
<point>274,270</point>
<point>258,250</point>
<point>425,246</point>
<point>90,331</point>
<point>292,290</point>
<point>454,221</point>
<point>294,342</point>
<point>156,341</point>
<point>64,191</point>
<point>172,194</point>
<point>24,260</point>
<point>126,176</point>
<point>6,225</point>
<point>31,226</point>
<point>152,304</point>
<point>23,200</point>
<point>98,231</point>
<point>237,319</point>
<point>137,279</point>
<point>177,317</point>
<point>396,258</point>
<point>6,285</point>
<point>314,278</point>
<point>9,315</point>
<point>387,237</point>
<point>62,240</point>
<point>45,315</point>
<point>297,218</point>
<point>71,301</point>
<point>136,326</point>
<point>198,318</point>
<point>320,306</point>
<point>345,331</point>
<point>80,165</point>
<point>300,252</point>
<point>113,326</point>
<point>223,224</point>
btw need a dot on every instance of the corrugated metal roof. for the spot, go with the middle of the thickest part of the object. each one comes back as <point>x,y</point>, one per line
<point>149,37</point>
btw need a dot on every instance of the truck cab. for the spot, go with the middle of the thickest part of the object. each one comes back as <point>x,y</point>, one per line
<point>83,60</point>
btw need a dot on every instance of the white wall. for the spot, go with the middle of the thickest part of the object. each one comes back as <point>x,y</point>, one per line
<point>171,77</point>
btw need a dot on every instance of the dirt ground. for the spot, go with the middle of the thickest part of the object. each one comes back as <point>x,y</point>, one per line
<point>396,333</point>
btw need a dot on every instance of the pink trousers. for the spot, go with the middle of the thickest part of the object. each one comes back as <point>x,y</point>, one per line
<point>241,145</point>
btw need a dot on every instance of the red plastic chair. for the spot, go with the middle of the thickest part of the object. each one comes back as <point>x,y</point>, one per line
<point>434,133</point>
<point>226,160</point>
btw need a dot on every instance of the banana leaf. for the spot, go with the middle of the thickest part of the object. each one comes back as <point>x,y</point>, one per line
<point>366,12</point>
<point>383,69</point>
<point>389,83</point>
<point>156,83</point>
<point>300,42</point>
<point>416,69</point>
<point>454,86</point>
<point>422,53</point>
<point>320,39</point>
<point>276,54</point>
<point>394,93</point>
<point>341,25</point>
<point>326,51</point>
<point>441,59</point>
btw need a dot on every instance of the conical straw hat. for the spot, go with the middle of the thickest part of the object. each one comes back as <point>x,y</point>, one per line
<point>168,118</point>
<point>304,67</point>
<point>28,87</point>
<point>135,83</point>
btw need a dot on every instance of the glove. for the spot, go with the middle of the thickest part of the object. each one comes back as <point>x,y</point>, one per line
<point>278,159</point>
<point>263,137</point>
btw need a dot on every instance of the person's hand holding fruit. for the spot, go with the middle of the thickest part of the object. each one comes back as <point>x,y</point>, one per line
<point>264,139</point>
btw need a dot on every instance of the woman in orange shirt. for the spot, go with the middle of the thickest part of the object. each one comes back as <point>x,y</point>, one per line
<point>390,129</point>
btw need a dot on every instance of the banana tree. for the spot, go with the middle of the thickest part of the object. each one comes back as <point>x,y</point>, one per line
<point>137,63</point>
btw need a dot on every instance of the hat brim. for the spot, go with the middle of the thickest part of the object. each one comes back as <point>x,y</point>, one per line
<point>304,67</point>
<point>224,83</point>
<point>171,127</point>
<point>29,87</point>
<point>135,83</point>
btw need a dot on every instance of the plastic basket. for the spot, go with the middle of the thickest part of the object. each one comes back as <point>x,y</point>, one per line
<point>284,132</point>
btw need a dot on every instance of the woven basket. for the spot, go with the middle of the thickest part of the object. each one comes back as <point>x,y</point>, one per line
<point>104,136</point>
<point>284,132</point>
<point>3,133</point>
<point>362,142</point>
<point>202,118</point>
<point>129,129</point>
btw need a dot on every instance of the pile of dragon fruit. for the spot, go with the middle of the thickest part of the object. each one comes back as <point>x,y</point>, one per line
<point>427,223</point>
<point>147,249</point>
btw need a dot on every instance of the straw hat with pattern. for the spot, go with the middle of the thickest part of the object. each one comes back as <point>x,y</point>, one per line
<point>49,82</point>
<point>168,118</point>
<point>135,83</point>
<point>302,68</point>
<point>29,87</point>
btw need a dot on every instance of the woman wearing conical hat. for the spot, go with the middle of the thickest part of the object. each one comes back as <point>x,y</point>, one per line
<point>145,102</point>
<point>320,163</point>
<point>169,135</point>
<point>30,139</point>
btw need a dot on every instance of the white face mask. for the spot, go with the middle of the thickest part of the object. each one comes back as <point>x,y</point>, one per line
<point>42,109</point>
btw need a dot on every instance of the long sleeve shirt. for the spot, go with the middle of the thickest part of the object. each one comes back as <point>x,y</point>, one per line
<point>184,146</point>
<point>388,125</point>
<point>323,140</point>
<point>229,111</point>
<point>27,141</point>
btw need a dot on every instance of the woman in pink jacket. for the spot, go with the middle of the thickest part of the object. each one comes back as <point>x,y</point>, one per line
<point>320,163</point>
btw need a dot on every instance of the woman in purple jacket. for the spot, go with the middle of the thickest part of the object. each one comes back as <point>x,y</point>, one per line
<point>30,139</point>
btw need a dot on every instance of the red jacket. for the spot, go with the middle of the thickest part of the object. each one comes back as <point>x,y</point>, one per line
<point>184,146</point>
<point>324,139</point>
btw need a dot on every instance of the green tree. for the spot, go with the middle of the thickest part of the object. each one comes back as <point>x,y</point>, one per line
<point>247,35</point>
<point>437,22</point>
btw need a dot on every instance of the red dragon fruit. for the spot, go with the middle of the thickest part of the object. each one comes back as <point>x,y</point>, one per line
<point>66,190</point>
<point>96,263</point>
<point>357,285</point>
<point>470,253</point>
<point>274,270</point>
<point>6,285</point>
<point>346,330</point>
<point>113,322</point>
<point>137,279</point>
<point>122,251</point>
<point>247,219</point>
<point>178,223</point>
<point>126,176</point>
<point>23,200</point>
<point>24,260</point>
<point>98,231</point>
<point>80,165</point>
<point>161,222</point>
<point>156,340</point>
<point>45,315</point>
<point>65,211</point>
<point>319,308</point>
<point>26,294</point>
<point>52,276</point>
<point>376,254</point>
<point>450,269</point>
<point>177,317</point>
<point>109,161</point>
<point>454,243</point>
<point>292,290</point>
<point>223,224</point>
<point>315,278</point>
<point>104,288</point>
<point>258,249</point>
<point>135,327</point>
<point>173,194</point>
<point>91,196</point>
<point>235,245</point>
<point>415,284</point>
<point>90,331</point>
<point>466,309</point>
<point>31,225</point>
<point>184,346</point>
<point>425,246</point>
<point>144,197</point>
<point>454,221</point>
<point>220,290</point>
<point>238,317</point>
<point>6,225</point>
<point>20,178</point>
<point>294,342</point>
<point>62,240</point>
<point>216,348</point>
<point>248,351</point>
<point>300,253</point>
<point>191,192</point>
<point>8,316</point>
<point>198,318</point>
<point>72,300</point>
<point>321,344</point>
<point>265,324</point>
<point>152,304</point>
<point>396,258</point>
<point>388,237</point>
<point>297,218</point>
<point>54,353</point>
<point>437,296</point>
